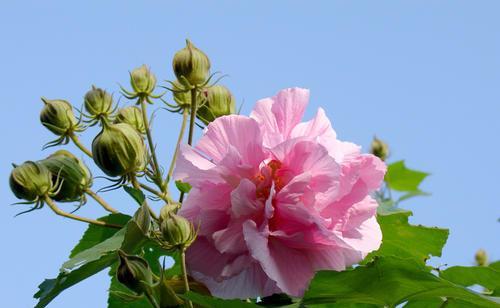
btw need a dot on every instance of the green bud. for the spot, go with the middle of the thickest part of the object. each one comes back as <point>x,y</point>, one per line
<point>119,150</point>
<point>134,272</point>
<point>131,115</point>
<point>57,115</point>
<point>176,230</point>
<point>481,258</point>
<point>379,149</point>
<point>192,64</point>
<point>75,177</point>
<point>142,80</point>
<point>98,103</point>
<point>30,181</point>
<point>181,97</point>
<point>218,102</point>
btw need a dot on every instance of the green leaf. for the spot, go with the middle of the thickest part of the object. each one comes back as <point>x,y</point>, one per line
<point>96,234</point>
<point>401,239</point>
<point>209,302</point>
<point>387,282</point>
<point>89,262</point>
<point>400,178</point>
<point>182,186</point>
<point>137,194</point>
<point>469,276</point>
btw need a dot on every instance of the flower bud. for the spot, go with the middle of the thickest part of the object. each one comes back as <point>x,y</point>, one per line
<point>192,64</point>
<point>30,181</point>
<point>142,80</point>
<point>57,115</point>
<point>98,103</point>
<point>119,150</point>
<point>218,102</point>
<point>134,272</point>
<point>379,148</point>
<point>72,173</point>
<point>181,96</point>
<point>177,231</point>
<point>131,115</point>
<point>481,258</point>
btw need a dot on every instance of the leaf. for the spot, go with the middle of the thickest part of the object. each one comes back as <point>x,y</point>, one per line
<point>89,262</point>
<point>399,238</point>
<point>182,186</point>
<point>386,282</point>
<point>400,178</point>
<point>96,234</point>
<point>209,302</point>
<point>137,194</point>
<point>472,275</point>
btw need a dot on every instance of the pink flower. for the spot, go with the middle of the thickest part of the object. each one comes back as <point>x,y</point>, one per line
<point>277,200</point>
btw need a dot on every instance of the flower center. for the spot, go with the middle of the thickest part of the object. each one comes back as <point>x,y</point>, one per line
<point>270,173</point>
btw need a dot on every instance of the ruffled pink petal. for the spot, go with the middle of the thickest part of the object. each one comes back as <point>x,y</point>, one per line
<point>288,267</point>
<point>243,199</point>
<point>240,132</point>
<point>193,168</point>
<point>278,115</point>
<point>230,239</point>
<point>319,128</point>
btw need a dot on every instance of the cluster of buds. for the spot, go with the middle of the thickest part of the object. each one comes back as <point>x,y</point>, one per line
<point>31,181</point>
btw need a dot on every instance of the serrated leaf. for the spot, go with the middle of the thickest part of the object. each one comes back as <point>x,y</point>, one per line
<point>209,302</point>
<point>386,282</point>
<point>136,194</point>
<point>399,238</point>
<point>401,178</point>
<point>96,234</point>
<point>89,262</point>
<point>471,275</point>
<point>182,186</point>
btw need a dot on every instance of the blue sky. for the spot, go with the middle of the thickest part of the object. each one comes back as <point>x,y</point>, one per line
<point>424,76</point>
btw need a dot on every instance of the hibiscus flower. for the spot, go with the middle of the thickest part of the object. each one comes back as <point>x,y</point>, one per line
<point>277,200</point>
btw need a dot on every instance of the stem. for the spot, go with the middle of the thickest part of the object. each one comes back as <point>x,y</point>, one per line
<point>60,212</point>
<point>159,194</point>
<point>151,300</point>
<point>156,166</point>
<point>185,113</point>
<point>184,275</point>
<point>136,185</point>
<point>192,120</point>
<point>77,142</point>
<point>101,201</point>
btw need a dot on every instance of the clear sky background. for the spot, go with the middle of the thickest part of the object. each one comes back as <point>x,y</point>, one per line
<point>423,75</point>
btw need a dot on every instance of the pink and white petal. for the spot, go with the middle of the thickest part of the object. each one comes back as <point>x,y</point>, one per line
<point>365,238</point>
<point>278,115</point>
<point>251,282</point>
<point>243,199</point>
<point>240,132</point>
<point>340,150</point>
<point>287,266</point>
<point>333,258</point>
<point>232,168</point>
<point>319,128</point>
<point>202,257</point>
<point>230,239</point>
<point>193,168</point>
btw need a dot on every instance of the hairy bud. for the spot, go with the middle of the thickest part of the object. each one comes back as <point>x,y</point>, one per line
<point>98,103</point>
<point>142,80</point>
<point>58,117</point>
<point>192,64</point>
<point>481,258</point>
<point>30,180</point>
<point>131,115</point>
<point>119,150</point>
<point>379,148</point>
<point>74,176</point>
<point>176,230</point>
<point>218,102</point>
<point>134,272</point>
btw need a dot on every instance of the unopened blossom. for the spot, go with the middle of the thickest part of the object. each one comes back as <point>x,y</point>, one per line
<point>276,200</point>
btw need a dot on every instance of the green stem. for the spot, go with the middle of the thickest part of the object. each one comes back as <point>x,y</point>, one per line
<point>156,166</point>
<point>185,114</point>
<point>101,201</point>
<point>192,120</point>
<point>137,186</point>
<point>155,192</point>
<point>77,142</point>
<point>184,275</point>
<point>60,212</point>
